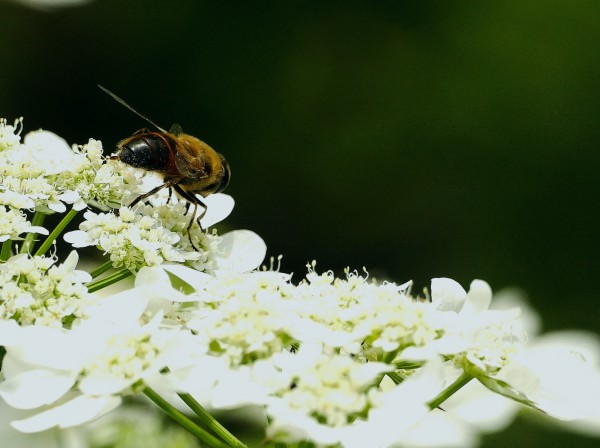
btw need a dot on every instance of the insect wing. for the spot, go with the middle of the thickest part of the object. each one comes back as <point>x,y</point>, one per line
<point>185,167</point>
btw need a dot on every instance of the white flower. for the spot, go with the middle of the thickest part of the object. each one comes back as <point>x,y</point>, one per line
<point>35,291</point>
<point>556,373</point>
<point>52,438</point>
<point>89,179</point>
<point>560,373</point>
<point>10,135</point>
<point>333,399</point>
<point>218,207</point>
<point>400,415</point>
<point>239,323</point>
<point>152,235</point>
<point>48,150</point>
<point>243,317</point>
<point>511,298</point>
<point>80,374</point>
<point>360,315</point>
<point>13,222</point>
<point>479,339</point>
<point>218,385</point>
<point>45,173</point>
<point>28,171</point>
<point>438,429</point>
<point>24,183</point>
<point>324,394</point>
<point>132,240</point>
<point>154,283</point>
<point>240,251</point>
<point>586,348</point>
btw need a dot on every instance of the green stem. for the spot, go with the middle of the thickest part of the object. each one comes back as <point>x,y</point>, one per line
<point>395,377</point>
<point>56,232</point>
<point>101,269</point>
<point>389,357</point>
<point>184,421</point>
<point>108,280</point>
<point>37,220</point>
<point>6,250</point>
<point>408,365</point>
<point>450,390</point>
<point>210,422</point>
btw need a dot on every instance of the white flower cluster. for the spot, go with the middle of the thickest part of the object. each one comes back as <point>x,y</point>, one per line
<point>336,362</point>
<point>131,239</point>
<point>36,291</point>
<point>10,135</point>
<point>232,307</point>
<point>44,173</point>
<point>152,235</point>
<point>91,179</point>
<point>358,315</point>
<point>13,223</point>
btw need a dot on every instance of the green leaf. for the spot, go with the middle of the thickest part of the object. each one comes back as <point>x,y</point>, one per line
<point>180,284</point>
<point>503,388</point>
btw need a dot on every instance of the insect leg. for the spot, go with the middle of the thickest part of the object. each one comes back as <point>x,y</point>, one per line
<point>167,184</point>
<point>195,200</point>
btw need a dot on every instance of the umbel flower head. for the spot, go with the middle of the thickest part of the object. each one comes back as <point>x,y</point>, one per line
<point>45,173</point>
<point>36,291</point>
<point>328,361</point>
<point>13,222</point>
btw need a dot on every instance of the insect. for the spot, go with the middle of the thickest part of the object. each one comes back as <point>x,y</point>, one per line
<point>187,164</point>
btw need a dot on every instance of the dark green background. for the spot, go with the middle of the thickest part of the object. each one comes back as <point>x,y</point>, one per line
<point>417,139</point>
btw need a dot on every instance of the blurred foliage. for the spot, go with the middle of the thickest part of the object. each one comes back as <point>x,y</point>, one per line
<point>417,139</point>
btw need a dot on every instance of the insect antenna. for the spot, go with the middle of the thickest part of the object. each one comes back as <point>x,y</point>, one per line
<point>123,103</point>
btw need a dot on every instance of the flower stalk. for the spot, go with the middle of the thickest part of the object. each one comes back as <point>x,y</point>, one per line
<point>56,232</point>
<point>184,421</point>
<point>37,220</point>
<point>107,265</point>
<point>115,277</point>
<point>459,383</point>
<point>210,422</point>
<point>6,250</point>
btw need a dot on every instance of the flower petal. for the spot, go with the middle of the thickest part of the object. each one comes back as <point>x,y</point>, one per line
<point>447,294</point>
<point>479,297</point>
<point>102,383</point>
<point>51,151</point>
<point>78,238</point>
<point>75,412</point>
<point>35,388</point>
<point>241,251</point>
<point>9,332</point>
<point>218,207</point>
